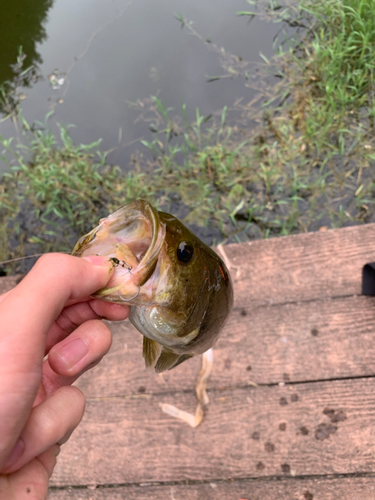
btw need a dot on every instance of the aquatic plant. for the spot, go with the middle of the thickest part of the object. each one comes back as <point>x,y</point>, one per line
<point>308,163</point>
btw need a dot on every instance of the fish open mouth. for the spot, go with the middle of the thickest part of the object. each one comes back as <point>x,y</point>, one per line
<point>132,238</point>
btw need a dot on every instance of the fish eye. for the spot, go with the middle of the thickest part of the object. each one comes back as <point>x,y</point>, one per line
<point>185,252</point>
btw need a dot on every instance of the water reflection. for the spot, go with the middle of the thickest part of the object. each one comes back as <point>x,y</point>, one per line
<point>22,24</point>
<point>114,52</point>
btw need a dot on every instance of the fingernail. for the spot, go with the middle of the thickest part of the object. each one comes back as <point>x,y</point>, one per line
<point>97,260</point>
<point>15,454</point>
<point>70,354</point>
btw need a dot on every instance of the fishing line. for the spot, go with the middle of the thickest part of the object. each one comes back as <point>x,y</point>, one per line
<point>23,258</point>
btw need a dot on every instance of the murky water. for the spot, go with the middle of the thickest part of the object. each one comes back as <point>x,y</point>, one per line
<point>107,53</point>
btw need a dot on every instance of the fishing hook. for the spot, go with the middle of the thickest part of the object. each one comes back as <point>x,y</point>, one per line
<point>128,300</point>
<point>116,262</point>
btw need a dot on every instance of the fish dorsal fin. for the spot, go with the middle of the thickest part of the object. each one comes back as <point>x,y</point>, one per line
<point>151,352</point>
<point>167,360</point>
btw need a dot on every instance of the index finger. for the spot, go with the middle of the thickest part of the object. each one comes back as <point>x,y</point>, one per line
<point>54,281</point>
<point>26,314</point>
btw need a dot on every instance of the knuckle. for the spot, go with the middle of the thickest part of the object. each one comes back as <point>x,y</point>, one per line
<point>97,334</point>
<point>76,399</point>
<point>70,318</point>
<point>53,259</point>
<point>71,395</point>
<point>98,330</point>
<point>53,263</point>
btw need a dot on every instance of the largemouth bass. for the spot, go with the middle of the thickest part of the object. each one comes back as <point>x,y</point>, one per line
<point>179,290</point>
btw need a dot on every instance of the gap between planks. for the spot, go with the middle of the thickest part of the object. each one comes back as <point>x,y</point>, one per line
<point>313,430</point>
<point>216,390</point>
<point>190,482</point>
<point>314,488</point>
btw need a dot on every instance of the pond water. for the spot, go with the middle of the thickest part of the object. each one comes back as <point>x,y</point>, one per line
<point>107,53</point>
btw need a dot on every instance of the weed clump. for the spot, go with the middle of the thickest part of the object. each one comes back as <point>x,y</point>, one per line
<point>307,164</point>
<point>46,203</point>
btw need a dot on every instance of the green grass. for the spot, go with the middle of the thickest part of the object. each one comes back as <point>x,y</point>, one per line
<point>335,53</point>
<point>344,51</point>
<point>47,203</point>
<point>308,163</point>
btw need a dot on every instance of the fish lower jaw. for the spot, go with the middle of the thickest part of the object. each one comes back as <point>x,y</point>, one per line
<point>148,321</point>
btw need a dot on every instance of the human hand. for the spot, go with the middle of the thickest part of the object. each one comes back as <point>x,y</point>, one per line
<point>49,312</point>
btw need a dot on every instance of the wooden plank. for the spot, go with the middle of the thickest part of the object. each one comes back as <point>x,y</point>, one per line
<point>8,282</point>
<point>362,488</point>
<point>307,429</point>
<point>323,339</point>
<point>293,342</point>
<point>302,267</point>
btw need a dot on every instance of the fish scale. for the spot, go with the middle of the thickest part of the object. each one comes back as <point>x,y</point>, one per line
<point>179,290</point>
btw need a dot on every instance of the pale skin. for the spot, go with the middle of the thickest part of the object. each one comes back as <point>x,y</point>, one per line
<point>49,312</point>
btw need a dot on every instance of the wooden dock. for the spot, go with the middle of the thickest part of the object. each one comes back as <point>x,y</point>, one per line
<point>292,393</point>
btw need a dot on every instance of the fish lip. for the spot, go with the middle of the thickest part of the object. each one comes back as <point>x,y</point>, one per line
<point>107,230</point>
<point>149,260</point>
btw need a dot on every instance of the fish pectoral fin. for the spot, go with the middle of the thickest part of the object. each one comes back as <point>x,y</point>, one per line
<point>168,360</point>
<point>151,352</point>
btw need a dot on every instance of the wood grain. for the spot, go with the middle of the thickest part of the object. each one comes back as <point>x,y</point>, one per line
<point>323,339</point>
<point>298,319</point>
<point>302,267</point>
<point>307,429</point>
<point>283,489</point>
<point>8,282</point>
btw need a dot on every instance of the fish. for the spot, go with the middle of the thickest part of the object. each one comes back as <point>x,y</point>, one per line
<point>179,290</point>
